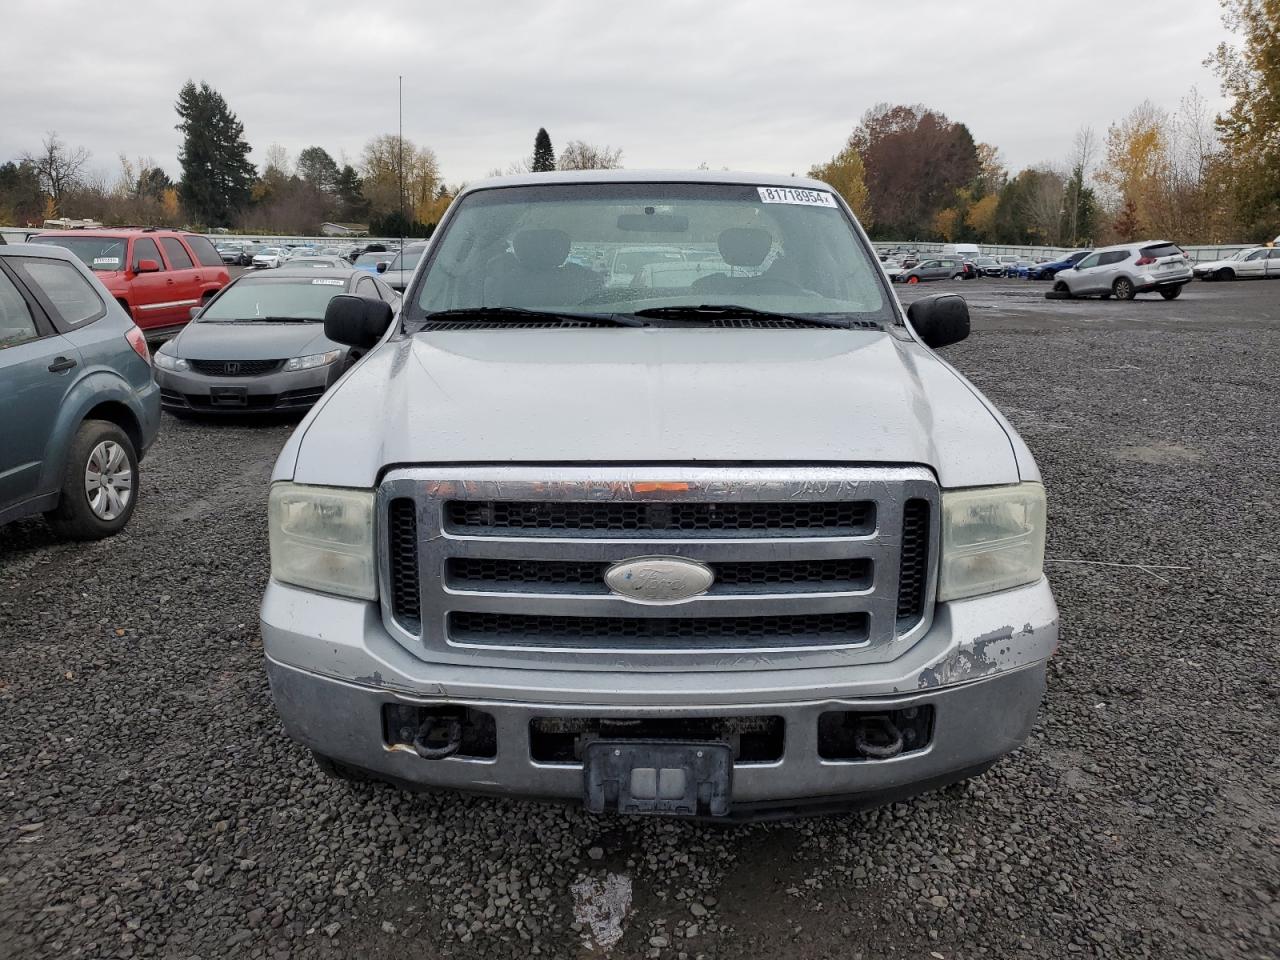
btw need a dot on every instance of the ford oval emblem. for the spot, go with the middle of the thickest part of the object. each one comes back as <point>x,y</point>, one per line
<point>659,579</point>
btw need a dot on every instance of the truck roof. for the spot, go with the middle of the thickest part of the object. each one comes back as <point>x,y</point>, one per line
<point>650,176</point>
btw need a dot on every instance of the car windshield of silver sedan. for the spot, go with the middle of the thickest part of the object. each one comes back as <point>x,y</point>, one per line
<point>293,299</point>
<point>103,254</point>
<point>652,248</point>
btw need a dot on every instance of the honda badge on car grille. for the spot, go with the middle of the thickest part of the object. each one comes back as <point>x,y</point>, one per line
<point>659,579</point>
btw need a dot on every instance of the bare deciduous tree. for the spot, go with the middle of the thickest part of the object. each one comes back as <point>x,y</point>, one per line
<point>59,167</point>
<point>579,155</point>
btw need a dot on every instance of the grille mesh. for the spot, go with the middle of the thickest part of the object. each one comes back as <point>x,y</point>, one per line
<point>914,569</point>
<point>474,573</point>
<point>798,518</point>
<point>687,632</point>
<point>402,539</point>
<point>242,368</point>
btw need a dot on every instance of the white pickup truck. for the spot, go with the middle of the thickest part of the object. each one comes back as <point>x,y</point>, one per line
<point>730,544</point>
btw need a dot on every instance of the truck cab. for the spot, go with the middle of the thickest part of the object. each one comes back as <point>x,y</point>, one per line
<point>735,542</point>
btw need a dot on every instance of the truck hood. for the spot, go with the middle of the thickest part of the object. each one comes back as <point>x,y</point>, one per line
<point>650,396</point>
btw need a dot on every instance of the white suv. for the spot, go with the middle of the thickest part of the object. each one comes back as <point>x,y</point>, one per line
<point>1125,270</point>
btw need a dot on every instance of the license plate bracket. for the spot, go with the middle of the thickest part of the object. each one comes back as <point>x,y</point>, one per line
<point>228,396</point>
<point>675,778</point>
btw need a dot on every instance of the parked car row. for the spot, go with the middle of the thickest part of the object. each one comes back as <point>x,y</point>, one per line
<point>74,359</point>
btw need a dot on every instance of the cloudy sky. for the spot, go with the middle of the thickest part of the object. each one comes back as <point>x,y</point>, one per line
<point>751,85</point>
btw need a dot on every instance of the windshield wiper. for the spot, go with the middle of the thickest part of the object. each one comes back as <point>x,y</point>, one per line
<point>480,314</point>
<point>730,311</point>
<point>288,319</point>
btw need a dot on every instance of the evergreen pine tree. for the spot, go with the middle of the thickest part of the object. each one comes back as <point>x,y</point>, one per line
<point>352,205</point>
<point>544,158</point>
<point>216,173</point>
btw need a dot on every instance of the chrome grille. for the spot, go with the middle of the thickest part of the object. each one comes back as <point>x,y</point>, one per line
<point>530,518</point>
<point>692,632</point>
<point>816,565</point>
<point>760,576</point>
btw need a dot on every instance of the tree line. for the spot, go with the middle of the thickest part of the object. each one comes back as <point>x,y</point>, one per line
<point>911,173</point>
<point>908,171</point>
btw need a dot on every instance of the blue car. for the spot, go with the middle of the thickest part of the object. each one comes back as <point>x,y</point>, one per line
<point>81,406</point>
<point>1047,271</point>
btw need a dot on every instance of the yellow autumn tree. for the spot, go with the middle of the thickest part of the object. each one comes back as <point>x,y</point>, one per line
<point>1138,165</point>
<point>981,216</point>
<point>847,175</point>
<point>50,209</point>
<point>169,205</point>
<point>946,223</point>
<point>381,165</point>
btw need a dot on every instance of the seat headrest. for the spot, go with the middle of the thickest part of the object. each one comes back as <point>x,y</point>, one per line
<point>541,249</point>
<point>745,246</point>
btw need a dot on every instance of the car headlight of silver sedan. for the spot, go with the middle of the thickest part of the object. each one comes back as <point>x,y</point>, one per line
<point>322,538</point>
<point>314,360</point>
<point>992,539</point>
<point>167,361</point>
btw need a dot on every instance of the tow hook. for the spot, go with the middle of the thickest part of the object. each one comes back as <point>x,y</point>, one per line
<point>438,737</point>
<point>876,737</point>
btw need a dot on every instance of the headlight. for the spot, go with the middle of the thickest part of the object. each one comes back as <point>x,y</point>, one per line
<point>167,361</point>
<point>992,539</point>
<point>322,538</point>
<point>315,360</point>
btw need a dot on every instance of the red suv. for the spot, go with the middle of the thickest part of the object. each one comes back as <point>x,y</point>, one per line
<point>156,275</point>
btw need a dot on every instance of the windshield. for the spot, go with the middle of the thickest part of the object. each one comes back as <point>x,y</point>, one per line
<point>325,263</point>
<point>623,247</point>
<point>370,259</point>
<point>276,298</point>
<point>271,252</point>
<point>97,253</point>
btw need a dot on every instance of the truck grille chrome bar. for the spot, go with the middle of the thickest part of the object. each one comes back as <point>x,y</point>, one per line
<point>494,564</point>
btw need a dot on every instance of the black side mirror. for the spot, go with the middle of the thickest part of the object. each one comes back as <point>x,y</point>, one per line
<point>382,267</point>
<point>356,321</point>
<point>938,320</point>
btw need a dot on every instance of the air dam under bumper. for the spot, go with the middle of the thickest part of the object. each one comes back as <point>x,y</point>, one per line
<point>983,679</point>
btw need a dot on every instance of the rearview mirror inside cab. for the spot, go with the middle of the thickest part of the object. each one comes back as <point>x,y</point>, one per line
<point>940,320</point>
<point>356,321</point>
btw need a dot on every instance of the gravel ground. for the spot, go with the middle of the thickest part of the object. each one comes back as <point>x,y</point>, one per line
<point>150,805</point>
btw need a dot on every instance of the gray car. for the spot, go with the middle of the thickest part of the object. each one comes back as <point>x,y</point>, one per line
<point>80,406</point>
<point>399,271</point>
<point>1125,270</point>
<point>735,542</point>
<point>259,346</point>
<point>936,268</point>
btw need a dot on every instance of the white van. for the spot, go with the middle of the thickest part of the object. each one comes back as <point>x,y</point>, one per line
<point>959,249</point>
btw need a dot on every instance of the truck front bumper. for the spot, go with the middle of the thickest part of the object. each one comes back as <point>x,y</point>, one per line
<point>981,669</point>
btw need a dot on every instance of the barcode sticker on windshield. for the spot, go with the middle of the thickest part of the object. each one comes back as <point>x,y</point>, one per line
<point>809,198</point>
<point>98,261</point>
<point>331,283</point>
